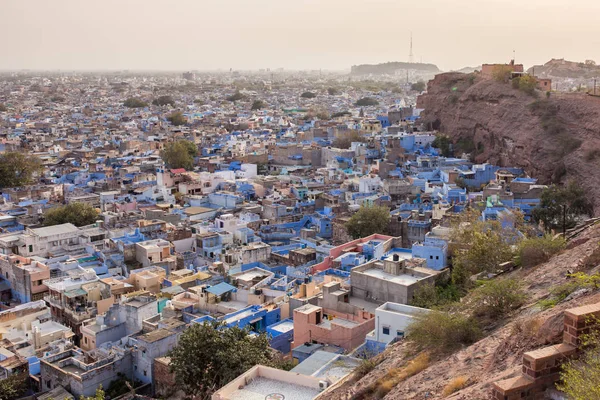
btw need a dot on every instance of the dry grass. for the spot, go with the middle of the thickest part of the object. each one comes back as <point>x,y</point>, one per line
<point>455,385</point>
<point>396,375</point>
<point>529,327</point>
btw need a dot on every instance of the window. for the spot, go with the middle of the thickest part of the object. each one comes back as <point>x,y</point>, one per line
<point>31,248</point>
<point>400,334</point>
<point>144,372</point>
<point>437,257</point>
<point>431,257</point>
<point>386,330</point>
<point>85,340</point>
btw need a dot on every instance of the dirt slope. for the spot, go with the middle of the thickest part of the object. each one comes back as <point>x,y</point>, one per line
<point>499,355</point>
<point>498,123</point>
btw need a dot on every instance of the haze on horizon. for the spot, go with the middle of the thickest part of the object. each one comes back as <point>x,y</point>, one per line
<point>301,34</point>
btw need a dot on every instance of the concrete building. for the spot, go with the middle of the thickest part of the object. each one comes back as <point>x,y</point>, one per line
<point>392,279</point>
<point>82,373</point>
<point>26,277</point>
<point>151,345</point>
<point>120,320</point>
<point>391,322</point>
<point>151,252</point>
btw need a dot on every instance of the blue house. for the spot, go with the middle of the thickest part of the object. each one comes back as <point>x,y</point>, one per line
<point>281,335</point>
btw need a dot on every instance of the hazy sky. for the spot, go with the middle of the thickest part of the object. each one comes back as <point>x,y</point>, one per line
<point>300,34</point>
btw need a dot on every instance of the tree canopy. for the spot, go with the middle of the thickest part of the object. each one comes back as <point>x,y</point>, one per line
<point>369,220</point>
<point>419,86</point>
<point>18,169</point>
<point>478,245</point>
<point>210,355</point>
<point>235,97</point>
<point>13,387</point>
<point>78,214</point>
<point>570,199</point>
<point>367,101</point>
<point>133,102</point>
<point>258,105</point>
<point>180,154</point>
<point>2,108</point>
<point>177,118</point>
<point>308,95</point>
<point>163,101</point>
<point>333,91</point>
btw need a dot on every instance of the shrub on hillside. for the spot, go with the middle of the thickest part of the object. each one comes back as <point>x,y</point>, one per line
<point>537,250</point>
<point>498,297</point>
<point>442,332</point>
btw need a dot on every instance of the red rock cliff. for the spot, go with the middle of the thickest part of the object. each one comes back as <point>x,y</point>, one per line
<point>555,138</point>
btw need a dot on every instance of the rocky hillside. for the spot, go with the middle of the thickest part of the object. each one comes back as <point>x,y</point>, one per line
<point>561,68</point>
<point>554,138</point>
<point>498,355</point>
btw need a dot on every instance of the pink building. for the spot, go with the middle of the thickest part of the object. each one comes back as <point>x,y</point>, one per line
<point>320,325</point>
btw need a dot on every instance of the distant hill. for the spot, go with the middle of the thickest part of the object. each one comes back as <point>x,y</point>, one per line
<point>391,68</point>
<point>561,68</point>
<point>468,70</point>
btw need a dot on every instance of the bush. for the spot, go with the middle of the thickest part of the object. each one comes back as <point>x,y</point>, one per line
<point>365,367</point>
<point>501,73</point>
<point>498,297</point>
<point>455,385</point>
<point>133,102</point>
<point>366,101</point>
<point>443,332</point>
<point>538,250</point>
<point>341,114</point>
<point>177,119</point>
<point>332,91</point>
<point>527,84</point>
<point>580,378</point>
<point>308,95</point>
<point>430,296</point>
<point>419,86</point>
<point>258,105</point>
<point>163,101</point>
<point>235,97</point>
<point>2,108</point>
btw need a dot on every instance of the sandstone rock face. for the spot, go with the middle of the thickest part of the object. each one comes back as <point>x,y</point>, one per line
<point>555,138</point>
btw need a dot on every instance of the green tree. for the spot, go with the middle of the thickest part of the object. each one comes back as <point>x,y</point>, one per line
<point>98,396</point>
<point>536,250</point>
<point>442,142</point>
<point>258,105</point>
<point>333,91</point>
<point>133,102</point>
<point>562,205</point>
<point>163,101</point>
<point>527,84</point>
<point>180,154</point>
<point>478,246</point>
<point>13,387</point>
<point>78,214</point>
<point>420,86</point>
<point>177,118</point>
<point>18,169</point>
<point>369,220</point>
<point>235,97</point>
<point>308,95</point>
<point>366,101</point>
<point>2,108</point>
<point>341,114</point>
<point>210,355</point>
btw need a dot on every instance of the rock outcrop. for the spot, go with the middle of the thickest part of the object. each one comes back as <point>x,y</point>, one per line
<point>556,138</point>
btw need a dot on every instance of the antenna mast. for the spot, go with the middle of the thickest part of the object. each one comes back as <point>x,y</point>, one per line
<point>410,55</point>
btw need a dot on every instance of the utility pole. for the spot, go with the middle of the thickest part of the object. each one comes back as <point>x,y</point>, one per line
<point>594,86</point>
<point>410,54</point>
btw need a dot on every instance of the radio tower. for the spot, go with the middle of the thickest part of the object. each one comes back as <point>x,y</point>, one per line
<point>410,55</point>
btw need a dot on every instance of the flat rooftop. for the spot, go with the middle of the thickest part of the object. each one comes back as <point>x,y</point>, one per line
<point>402,279</point>
<point>259,388</point>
